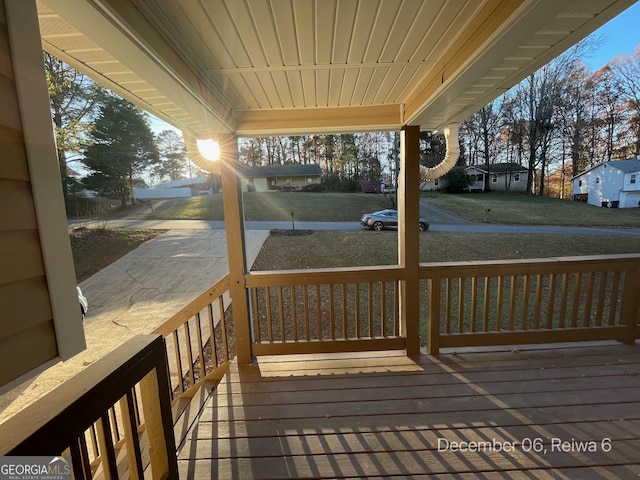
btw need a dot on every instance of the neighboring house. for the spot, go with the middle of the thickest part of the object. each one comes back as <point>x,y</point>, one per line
<point>436,184</point>
<point>504,177</point>
<point>187,187</point>
<point>609,184</point>
<point>371,186</point>
<point>278,177</point>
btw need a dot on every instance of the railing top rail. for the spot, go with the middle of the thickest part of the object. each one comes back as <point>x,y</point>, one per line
<point>621,262</point>
<point>193,307</point>
<point>52,423</point>
<point>320,276</point>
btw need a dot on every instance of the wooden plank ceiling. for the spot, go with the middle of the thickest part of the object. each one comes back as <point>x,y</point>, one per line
<point>258,67</point>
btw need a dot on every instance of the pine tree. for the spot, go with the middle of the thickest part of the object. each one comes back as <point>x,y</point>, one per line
<point>121,146</point>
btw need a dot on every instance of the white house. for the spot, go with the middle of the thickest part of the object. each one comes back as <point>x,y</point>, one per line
<point>609,184</point>
<point>505,177</point>
<point>436,184</point>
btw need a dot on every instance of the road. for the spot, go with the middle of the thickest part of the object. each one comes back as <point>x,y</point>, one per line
<point>355,226</point>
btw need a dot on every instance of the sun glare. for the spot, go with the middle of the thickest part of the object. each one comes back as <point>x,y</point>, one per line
<point>209,149</point>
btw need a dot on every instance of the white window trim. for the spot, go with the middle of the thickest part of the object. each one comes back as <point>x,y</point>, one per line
<point>494,178</point>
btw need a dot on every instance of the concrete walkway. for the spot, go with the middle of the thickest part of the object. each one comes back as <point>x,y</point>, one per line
<point>136,294</point>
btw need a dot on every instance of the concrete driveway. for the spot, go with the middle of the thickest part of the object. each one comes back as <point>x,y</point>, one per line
<point>136,294</point>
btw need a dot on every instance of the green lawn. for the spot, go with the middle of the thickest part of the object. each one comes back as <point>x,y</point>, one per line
<point>277,206</point>
<point>514,209</point>
<point>347,249</point>
<point>518,209</point>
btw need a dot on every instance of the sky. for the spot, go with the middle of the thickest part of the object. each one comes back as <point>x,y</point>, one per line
<point>620,35</point>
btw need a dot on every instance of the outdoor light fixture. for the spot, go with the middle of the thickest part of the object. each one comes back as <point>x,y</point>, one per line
<point>209,149</point>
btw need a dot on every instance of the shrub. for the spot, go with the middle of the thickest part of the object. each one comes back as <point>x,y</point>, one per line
<point>312,187</point>
<point>457,181</point>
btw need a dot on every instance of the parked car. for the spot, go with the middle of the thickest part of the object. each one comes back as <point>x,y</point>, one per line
<point>84,303</point>
<point>387,219</point>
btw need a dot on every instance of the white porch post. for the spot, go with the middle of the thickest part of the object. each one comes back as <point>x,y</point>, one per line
<point>234,227</point>
<point>409,237</point>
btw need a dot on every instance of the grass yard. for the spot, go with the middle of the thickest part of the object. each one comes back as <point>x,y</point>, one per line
<point>94,249</point>
<point>518,209</point>
<point>347,249</point>
<point>514,209</point>
<point>277,206</point>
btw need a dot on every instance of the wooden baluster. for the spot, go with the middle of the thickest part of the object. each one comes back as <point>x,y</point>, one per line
<point>223,329</point>
<point>383,310</point>
<point>551,300</point>
<point>474,304</point>
<point>499,292</point>
<point>357,310</point>
<point>187,340</point>
<point>447,312</point>
<point>267,291</point>
<point>132,440</point>
<point>212,330</point>
<point>563,300</point>
<point>461,282</point>
<point>176,348</point>
<point>577,287</point>
<point>538,310</point>
<point>485,305</point>
<point>345,323</point>
<point>307,324</point>
<point>615,293</point>
<point>588,303</point>
<point>257,337</point>
<point>283,336</point>
<point>526,291</point>
<point>512,302</point>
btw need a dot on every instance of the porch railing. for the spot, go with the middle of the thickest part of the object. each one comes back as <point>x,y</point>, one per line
<point>133,408</point>
<point>531,301</point>
<point>325,310</point>
<point>113,419</point>
<point>200,344</point>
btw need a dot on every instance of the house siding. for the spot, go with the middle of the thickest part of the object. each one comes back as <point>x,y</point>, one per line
<point>602,184</point>
<point>27,334</point>
<point>41,321</point>
<point>430,185</point>
<point>629,199</point>
<point>261,184</point>
<point>504,181</point>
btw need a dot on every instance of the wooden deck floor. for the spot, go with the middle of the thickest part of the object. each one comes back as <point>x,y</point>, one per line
<point>546,412</point>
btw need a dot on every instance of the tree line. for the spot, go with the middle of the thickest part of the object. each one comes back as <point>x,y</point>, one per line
<point>105,143</point>
<point>557,122</point>
<point>560,120</point>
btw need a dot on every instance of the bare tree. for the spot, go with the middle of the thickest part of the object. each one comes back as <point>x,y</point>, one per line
<point>627,73</point>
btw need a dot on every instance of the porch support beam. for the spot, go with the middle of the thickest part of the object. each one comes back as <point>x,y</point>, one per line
<point>409,237</point>
<point>236,253</point>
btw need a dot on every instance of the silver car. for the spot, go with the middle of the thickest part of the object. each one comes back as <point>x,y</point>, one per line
<point>387,219</point>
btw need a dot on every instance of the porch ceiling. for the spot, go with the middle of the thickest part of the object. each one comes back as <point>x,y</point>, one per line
<point>258,67</point>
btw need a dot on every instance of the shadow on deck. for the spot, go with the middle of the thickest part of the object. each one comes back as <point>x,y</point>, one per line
<point>563,411</point>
